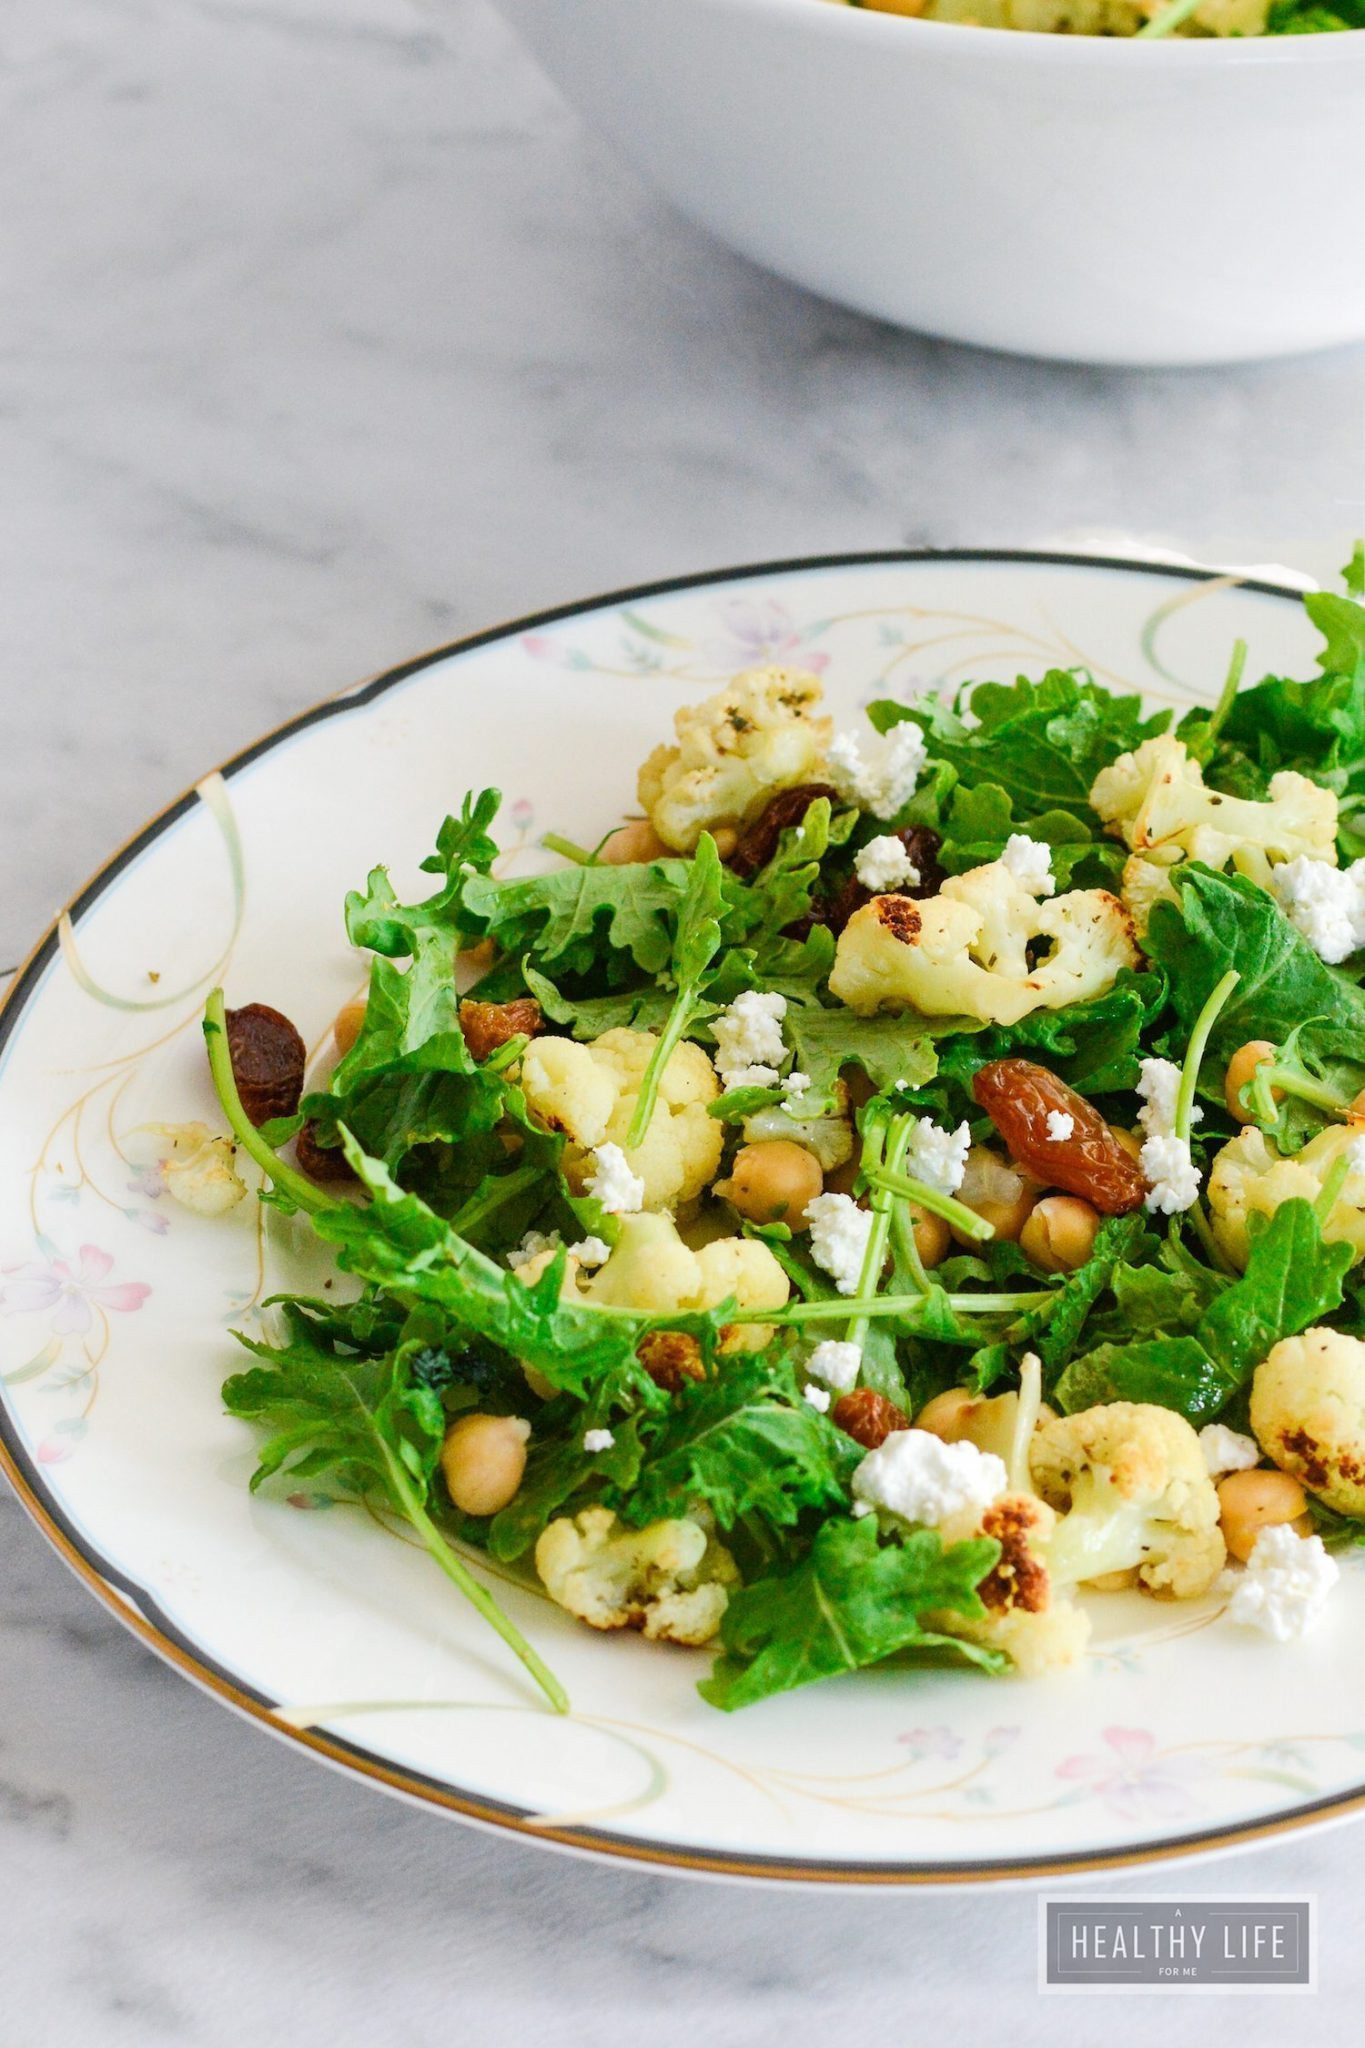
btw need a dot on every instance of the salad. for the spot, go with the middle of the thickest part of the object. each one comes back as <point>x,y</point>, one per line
<point>901,1183</point>
<point>1144,18</point>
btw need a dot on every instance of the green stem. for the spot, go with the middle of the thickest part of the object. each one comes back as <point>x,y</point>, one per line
<point>883,1201</point>
<point>1169,18</point>
<point>1228,698</point>
<point>460,1575</point>
<point>1268,1075</point>
<point>679,1017</point>
<point>479,1207</point>
<point>1203,1230</point>
<point>836,1307</point>
<point>903,1237</point>
<point>957,1213</point>
<point>286,1180</point>
<point>567,849</point>
<point>1331,1188</point>
<point>1194,1051</point>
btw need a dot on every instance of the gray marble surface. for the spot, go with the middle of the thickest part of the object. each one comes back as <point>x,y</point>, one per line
<point>325,334</point>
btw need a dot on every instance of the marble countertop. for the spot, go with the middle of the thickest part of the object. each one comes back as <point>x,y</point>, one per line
<point>328,334</point>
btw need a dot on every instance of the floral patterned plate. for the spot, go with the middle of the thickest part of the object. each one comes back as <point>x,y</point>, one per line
<point>116,1305</point>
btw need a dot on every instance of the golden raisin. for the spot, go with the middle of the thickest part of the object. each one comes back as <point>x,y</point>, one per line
<point>486,1026</point>
<point>869,1418</point>
<point>670,1357</point>
<point>1019,1096</point>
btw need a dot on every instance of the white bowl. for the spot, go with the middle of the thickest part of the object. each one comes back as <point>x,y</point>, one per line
<point>1091,199</point>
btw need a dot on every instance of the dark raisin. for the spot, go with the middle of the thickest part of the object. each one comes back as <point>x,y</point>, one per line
<point>320,1162</point>
<point>268,1059</point>
<point>758,843</point>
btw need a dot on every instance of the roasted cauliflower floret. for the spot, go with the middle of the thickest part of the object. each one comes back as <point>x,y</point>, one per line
<point>671,1579</point>
<point>983,947</point>
<point>762,733</point>
<point>1030,1615</point>
<point>196,1165</point>
<point>1131,1487</point>
<point>590,1092</point>
<point>652,1269</point>
<point>1250,1176</point>
<point>1308,1413</point>
<point>1156,801</point>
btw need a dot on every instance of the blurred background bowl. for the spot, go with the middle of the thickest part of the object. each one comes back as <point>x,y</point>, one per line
<point>1096,200</point>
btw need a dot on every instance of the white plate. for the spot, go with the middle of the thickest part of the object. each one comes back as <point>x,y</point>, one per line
<point>115,1306</point>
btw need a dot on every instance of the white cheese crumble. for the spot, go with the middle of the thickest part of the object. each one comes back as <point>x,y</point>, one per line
<point>837,1364</point>
<point>938,1157</point>
<point>748,1035</point>
<point>1355,1154</point>
<point>1030,862</point>
<point>611,1181</point>
<point>1173,1182</point>
<point>598,1440</point>
<point>532,1245</point>
<point>1285,1586</point>
<point>1172,1177</point>
<point>923,1479</point>
<point>882,785</point>
<point>839,1232</point>
<point>1061,1125</point>
<point>819,1398</point>
<point>1227,1450</point>
<point>795,1087</point>
<point>883,865</point>
<point>1324,903</point>
<point>590,1251</point>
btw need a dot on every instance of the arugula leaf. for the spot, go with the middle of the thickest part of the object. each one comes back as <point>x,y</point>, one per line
<point>696,941</point>
<point>1171,1372</point>
<point>376,919</point>
<point>851,1602</point>
<point>559,1471</point>
<point>979,821</point>
<point>1043,742</point>
<point>374,1428</point>
<point>890,1050</point>
<point>572,918</point>
<point>1094,1046</point>
<point>1225,921</point>
<point>745,1443</point>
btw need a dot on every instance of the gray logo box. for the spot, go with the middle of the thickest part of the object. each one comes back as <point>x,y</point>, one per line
<point>1214,1943</point>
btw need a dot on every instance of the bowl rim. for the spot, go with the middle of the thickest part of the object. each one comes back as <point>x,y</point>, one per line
<point>1041,46</point>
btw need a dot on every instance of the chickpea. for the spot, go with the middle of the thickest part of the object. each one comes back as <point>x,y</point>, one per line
<point>1241,1067</point>
<point>1059,1234</point>
<point>350,1019</point>
<point>773,1182</point>
<point>1251,1501</point>
<point>483,1459</point>
<point>633,842</point>
<point>932,1237</point>
<point>948,1414</point>
<point>726,838</point>
<point>998,1193</point>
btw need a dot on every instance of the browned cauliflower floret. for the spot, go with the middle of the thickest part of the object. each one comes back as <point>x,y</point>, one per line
<point>1308,1413</point>
<point>1251,1177</point>
<point>590,1093</point>
<point>652,1269</point>
<point>1132,1489</point>
<point>1155,800</point>
<point>761,734</point>
<point>671,1579</point>
<point>1030,1615</point>
<point>983,947</point>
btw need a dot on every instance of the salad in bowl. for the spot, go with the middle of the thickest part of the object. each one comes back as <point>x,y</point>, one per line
<point>894,1185</point>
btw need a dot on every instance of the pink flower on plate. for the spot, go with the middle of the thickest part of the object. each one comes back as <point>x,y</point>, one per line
<point>923,1743</point>
<point>73,1294</point>
<point>758,630</point>
<point>1135,1779</point>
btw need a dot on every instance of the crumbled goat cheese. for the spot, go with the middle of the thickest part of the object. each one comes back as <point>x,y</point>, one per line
<point>620,1191</point>
<point>1227,1450</point>
<point>881,786</point>
<point>1325,904</point>
<point>1159,1086</point>
<point>1173,1179</point>
<point>795,1087</point>
<point>590,1251</point>
<point>918,1476</point>
<point>819,1398</point>
<point>883,865</point>
<point>749,1047</point>
<point>838,1238</point>
<point>598,1440</point>
<point>837,1364</point>
<point>1285,1586</point>
<point>532,1245</point>
<point>938,1157</point>
<point>1061,1125</point>
<point>1355,1155</point>
<point>1030,862</point>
